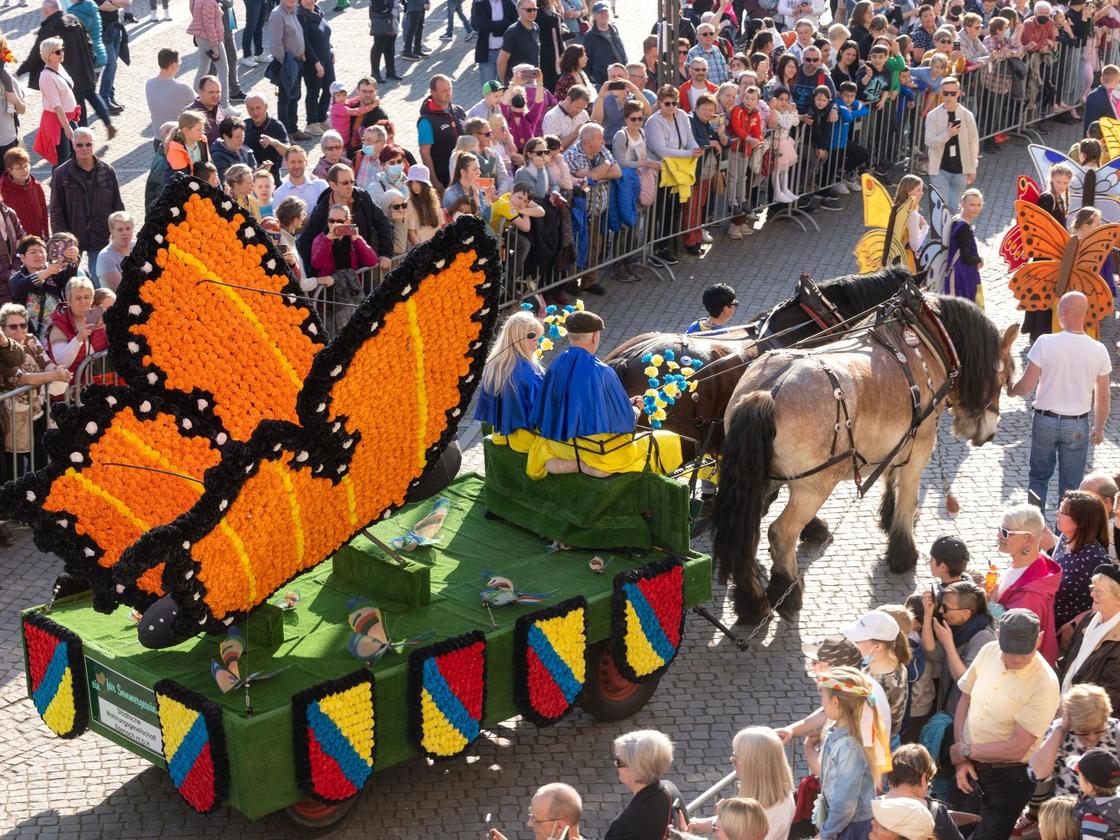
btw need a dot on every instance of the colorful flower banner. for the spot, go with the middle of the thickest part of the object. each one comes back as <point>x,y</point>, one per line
<point>446,695</point>
<point>194,745</point>
<point>333,734</point>
<point>56,675</point>
<point>550,661</point>
<point>648,618</point>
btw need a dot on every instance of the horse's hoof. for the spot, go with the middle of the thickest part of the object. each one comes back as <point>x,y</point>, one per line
<point>750,609</point>
<point>784,595</point>
<point>816,531</point>
<point>901,556</point>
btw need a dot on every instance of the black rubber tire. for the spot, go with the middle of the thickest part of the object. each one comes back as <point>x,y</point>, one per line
<point>607,695</point>
<point>310,818</point>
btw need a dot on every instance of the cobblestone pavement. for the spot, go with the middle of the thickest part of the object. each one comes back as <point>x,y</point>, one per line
<point>90,788</point>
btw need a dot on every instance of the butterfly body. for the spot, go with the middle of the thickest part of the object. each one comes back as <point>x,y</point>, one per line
<point>227,673</point>
<point>426,531</point>
<point>371,639</point>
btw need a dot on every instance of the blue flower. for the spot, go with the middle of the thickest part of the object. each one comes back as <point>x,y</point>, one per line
<point>653,381</point>
<point>647,358</point>
<point>669,355</point>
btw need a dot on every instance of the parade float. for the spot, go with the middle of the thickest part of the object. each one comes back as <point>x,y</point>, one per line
<point>268,590</point>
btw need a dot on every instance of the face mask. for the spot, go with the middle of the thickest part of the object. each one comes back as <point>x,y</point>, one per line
<point>1043,18</point>
<point>368,149</point>
<point>395,170</point>
<point>517,101</point>
<point>866,661</point>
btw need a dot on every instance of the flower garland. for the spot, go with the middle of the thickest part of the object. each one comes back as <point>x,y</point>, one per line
<point>194,745</point>
<point>647,618</point>
<point>554,318</point>
<point>291,468</point>
<point>550,660</point>
<point>333,735</point>
<point>665,389</point>
<point>56,675</point>
<point>446,695</point>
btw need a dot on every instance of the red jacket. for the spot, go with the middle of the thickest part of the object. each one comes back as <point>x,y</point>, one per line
<point>1035,591</point>
<point>686,99</point>
<point>744,124</point>
<point>29,202</point>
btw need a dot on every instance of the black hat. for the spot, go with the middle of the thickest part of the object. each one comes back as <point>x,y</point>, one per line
<point>582,321</point>
<point>833,651</point>
<point>949,550</point>
<point>1099,767</point>
<point>1109,571</point>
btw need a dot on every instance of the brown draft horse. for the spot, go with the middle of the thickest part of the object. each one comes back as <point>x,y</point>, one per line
<point>787,424</point>
<point>726,355</point>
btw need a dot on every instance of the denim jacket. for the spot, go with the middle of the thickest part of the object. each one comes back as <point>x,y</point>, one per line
<point>846,784</point>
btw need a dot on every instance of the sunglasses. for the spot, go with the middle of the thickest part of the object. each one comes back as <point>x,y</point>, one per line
<point>336,221</point>
<point>59,51</point>
<point>1007,533</point>
<point>398,206</point>
<point>83,145</point>
<point>683,52</point>
<point>699,69</point>
<point>539,152</point>
<point>950,93</point>
<point>22,326</point>
<point>345,183</point>
<point>332,148</point>
<point>807,60</point>
<point>633,119</point>
<point>668,104</point>
<point>487,133</point>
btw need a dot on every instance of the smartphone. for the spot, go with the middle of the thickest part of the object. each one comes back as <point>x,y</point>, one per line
<point>1034,499</point>
<point>616,86</point>
<point>345,230</point>
<point>94,316</point>
<point>56,250</point>
<point>483,183</point>
<point>274,235</point>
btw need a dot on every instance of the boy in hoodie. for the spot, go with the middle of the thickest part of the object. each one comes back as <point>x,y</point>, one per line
<point>1098,807</point>
<point>842,146</point>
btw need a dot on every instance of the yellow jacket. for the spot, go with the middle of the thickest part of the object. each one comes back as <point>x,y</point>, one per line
<point>679,174</point>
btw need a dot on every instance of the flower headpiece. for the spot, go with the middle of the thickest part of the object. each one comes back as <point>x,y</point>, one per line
<point>871,731</point>
<point>665,389</point>
<point>554,329</point>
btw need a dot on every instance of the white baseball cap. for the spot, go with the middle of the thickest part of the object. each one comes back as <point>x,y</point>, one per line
<point>872,626</point>
<point>906,817</point>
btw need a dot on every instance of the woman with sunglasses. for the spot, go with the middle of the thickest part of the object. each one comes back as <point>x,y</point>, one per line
<point>642,759</point>
<point>669,138</point>
<point>24,418</point>
<point>1085,721</point>
<point>1082,523</point>
<point>1032,580</point>
<point>60,107</point>
<point>511,381</point>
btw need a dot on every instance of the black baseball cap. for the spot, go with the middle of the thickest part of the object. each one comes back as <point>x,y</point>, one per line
<point>1099,767</point>
<point>949,550</point>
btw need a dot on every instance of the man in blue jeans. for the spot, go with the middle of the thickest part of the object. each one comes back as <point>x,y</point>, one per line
<point>1071,372</point>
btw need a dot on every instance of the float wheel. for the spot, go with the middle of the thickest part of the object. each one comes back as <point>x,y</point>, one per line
<point>608,695</point>
<point>311,818</point>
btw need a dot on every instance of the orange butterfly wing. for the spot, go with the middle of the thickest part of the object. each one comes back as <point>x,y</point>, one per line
<point>185,327</point>
<point>1085,277</point>
<point>1043,237</point>
<point>379,404</point>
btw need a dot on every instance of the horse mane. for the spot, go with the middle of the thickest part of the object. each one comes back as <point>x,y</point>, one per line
<point>978,347</point>
<point>853,294</point>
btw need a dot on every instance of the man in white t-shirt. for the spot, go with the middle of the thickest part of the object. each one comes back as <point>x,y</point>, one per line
<point>1071,371</point>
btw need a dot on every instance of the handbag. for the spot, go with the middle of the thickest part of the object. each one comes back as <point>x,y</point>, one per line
<point>647,193</point>
<point>17,423</point>
<point>274,72</point>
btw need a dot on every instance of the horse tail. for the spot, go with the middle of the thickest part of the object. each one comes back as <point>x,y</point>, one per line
<point>743,497</point>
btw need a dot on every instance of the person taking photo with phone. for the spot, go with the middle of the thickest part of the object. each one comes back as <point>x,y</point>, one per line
<point>340,246</point>
<point>78,328</point>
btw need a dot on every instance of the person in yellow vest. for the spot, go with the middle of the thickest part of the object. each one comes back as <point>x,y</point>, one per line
<point>585,419</point>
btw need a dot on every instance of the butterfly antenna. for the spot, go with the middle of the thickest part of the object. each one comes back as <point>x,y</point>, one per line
<point>153,469</point>
<point>400,561</point>
<point>285,295</point>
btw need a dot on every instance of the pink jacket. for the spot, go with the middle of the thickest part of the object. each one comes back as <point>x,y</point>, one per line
<point>1035,591</point>
<point>322,255</point>
<point>206,21</point>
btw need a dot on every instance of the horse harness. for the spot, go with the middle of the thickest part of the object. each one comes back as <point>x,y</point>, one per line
<point>920,326</point>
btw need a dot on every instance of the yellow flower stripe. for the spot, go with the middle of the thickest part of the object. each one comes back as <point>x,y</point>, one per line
<point>121,508</point>
<point>352,713</point>
<point>242,307</point>
<point>59,715</point>
<point>566,635</point>
<point>639,653</point>
<point>439,737</point>
<point>154,455</point>
<point>242,556</point>
<point>417,343</point>
<point>293,506</point>
<point>175,721</point>
<point>351,501</point>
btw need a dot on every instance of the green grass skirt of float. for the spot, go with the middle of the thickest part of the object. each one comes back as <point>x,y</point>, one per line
<point>316,632</point>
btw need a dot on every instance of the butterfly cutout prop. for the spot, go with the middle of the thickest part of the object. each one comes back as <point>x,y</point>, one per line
<point>426,531</point>
<point>933,257</point>
<point>246,449</point>
<point>1098,188</point>
<point>1011,246</point>
<point>500,591</point>
<point>371,639</point>
<point>1110,134</point>
<point>884,241</point>
<point>289,600</point>
<point>1061,262</point>
<point>227,672</point>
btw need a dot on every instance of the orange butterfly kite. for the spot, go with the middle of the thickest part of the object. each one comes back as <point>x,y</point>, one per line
<point>1061,263</point>
<point>246,449</point>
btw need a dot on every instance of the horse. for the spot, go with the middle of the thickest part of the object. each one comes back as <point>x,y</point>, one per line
<point>726,354</point>
<point>873,398</point>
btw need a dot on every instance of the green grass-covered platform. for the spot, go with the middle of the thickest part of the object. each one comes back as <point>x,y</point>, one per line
<point>449,577</point>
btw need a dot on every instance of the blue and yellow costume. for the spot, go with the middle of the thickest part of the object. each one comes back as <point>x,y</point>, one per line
<point>583,413</point>
<point>510,411</point>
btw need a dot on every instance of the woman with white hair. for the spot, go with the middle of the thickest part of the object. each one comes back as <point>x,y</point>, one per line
<point>395,205</point>
<point>642,758</point>
<point>511,382</point>
<point>60,106</point>
<point>1032,580</point>
<point>764,776</point>
<point>76,329</point>
<point>1093,654</point>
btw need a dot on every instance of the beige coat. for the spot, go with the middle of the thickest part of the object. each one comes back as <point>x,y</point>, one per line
<point>937,135</point>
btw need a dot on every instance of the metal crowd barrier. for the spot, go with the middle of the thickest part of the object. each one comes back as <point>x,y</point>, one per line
<point>20,433</point>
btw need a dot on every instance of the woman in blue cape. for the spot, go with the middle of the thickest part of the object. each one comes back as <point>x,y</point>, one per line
<point>511,382</point>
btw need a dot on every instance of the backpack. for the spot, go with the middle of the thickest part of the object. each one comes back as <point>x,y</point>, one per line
<point>1103,818</point>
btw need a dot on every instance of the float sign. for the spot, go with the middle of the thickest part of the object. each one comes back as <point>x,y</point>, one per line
<point>125,707</point>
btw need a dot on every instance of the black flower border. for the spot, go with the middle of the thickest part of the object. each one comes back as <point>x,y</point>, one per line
<point>212,713</point>
<point>301,746</point>
<point>618,615</point>
<point>521,693</point>
<point>416,662</point>
<point>74,658</point>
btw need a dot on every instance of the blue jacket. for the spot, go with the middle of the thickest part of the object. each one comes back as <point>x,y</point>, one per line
<point>87,12</point>
<point>623,209</point>
<point>1096,106</point>
<point>223,157</point>
<point>842,128</point>
<point>847,787</point>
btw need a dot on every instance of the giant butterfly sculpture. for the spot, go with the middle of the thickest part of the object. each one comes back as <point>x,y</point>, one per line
<point>1098,188</point>
<point>245,448</point>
